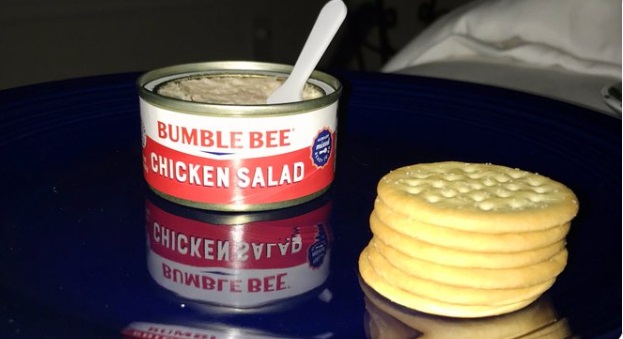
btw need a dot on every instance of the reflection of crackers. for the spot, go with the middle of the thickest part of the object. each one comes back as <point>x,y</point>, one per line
<point>449,293</point>
<point>475,277</point>
<point>477,197</point>
<point>428,305</point>
<point>388,320</point>
<point>461,258</point>
<point>469,241</point>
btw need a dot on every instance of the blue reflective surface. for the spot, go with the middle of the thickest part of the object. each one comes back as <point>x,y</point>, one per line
<point>73,249</point>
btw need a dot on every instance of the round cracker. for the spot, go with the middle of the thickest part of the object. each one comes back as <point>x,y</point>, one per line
<point>427,305</point>
<point>461,258</point>
<point>474,277</point>
<point>448,293</point>
<point>469,241</point>
<point>478,197</point>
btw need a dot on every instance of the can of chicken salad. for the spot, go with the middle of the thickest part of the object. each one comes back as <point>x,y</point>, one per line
<point>211,141</point>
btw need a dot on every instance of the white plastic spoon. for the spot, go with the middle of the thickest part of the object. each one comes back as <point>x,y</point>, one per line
<point>328,22</point>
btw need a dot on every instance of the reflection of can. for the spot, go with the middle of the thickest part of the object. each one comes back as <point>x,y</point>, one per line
<point>239,261</point>
<point>237,157</point>
<point>142,330</point>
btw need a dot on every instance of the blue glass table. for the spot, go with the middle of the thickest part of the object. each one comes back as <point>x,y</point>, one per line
<point>76,256</point>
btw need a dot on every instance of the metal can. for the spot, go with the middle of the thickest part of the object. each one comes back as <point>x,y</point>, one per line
<point>239,262</point>
<point>237,157</point>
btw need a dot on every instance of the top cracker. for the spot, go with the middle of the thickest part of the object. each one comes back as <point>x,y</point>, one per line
<point>477,197</point>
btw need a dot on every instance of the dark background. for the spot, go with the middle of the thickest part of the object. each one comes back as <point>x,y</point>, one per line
<point>45,40</point>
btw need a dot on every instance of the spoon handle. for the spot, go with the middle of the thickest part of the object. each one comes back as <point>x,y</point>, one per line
<point>327,24</point>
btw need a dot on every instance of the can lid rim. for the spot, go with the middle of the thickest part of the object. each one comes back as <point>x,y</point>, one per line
<point>247,67</point>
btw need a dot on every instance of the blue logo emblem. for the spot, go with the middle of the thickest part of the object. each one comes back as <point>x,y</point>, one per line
<point>321,149</point>
<point>318,250</point>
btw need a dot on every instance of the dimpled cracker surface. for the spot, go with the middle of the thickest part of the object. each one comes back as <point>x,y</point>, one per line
<point>477,197</point>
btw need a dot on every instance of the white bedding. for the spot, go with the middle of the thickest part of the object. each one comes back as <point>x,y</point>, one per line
<point>566,49</point>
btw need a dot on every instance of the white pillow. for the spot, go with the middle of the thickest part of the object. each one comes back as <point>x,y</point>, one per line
<point>582,36</point>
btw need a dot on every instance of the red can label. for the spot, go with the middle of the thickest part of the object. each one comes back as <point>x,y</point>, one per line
<point>238,160</point>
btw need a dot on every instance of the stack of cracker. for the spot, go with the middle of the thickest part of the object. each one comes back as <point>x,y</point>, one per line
<point>466,240</point>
